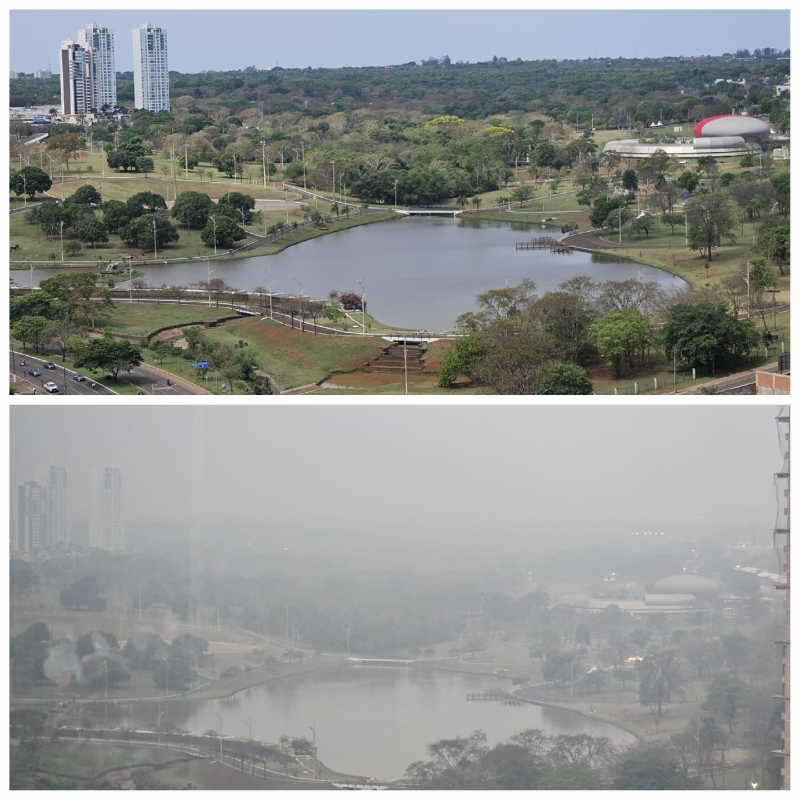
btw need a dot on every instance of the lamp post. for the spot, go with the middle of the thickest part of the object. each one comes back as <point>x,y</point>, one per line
<point>25,190</point>
<point>395,194</point>
<point>333,179</point>
<point>186,160</point>
<point>264,162</point>
<point>62,241</point>
<point>208,282</point>
<point>155,246</point>
<point>269,274</point>
<point>214,222</point>
<point>363,309</point>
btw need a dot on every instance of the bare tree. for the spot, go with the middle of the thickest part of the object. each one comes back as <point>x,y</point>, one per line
<point>178,292</point>
<point>140,286</point>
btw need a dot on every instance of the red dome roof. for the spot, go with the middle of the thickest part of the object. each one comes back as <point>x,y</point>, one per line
<point>731,125</point>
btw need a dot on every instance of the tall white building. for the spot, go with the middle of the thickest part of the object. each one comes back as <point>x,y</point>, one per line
<point>100,41</point>
<point>150,70</point>
<point>75,61</point>
<point>31,518</point>
<point>59,523</point>
<point>107,527</point>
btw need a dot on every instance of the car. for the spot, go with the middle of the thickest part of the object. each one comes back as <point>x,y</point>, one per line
<point>49,365</point>
<point>34,371</point>
<point>51,387</point>
<point>78,377</point>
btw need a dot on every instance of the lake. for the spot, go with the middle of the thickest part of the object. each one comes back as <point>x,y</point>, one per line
<point>418,272</point>
<point>372,721</point>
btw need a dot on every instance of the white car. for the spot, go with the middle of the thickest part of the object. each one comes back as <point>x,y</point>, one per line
<point>51,387</point>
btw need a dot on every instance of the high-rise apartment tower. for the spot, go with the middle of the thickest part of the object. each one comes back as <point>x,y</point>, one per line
<point>76,77</point>
<point>107,529</point>
<point>100,41</point>
<point>150,70</point>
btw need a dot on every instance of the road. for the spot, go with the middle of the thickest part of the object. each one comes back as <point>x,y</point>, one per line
<point>149,379</point>
<point>734,383</point>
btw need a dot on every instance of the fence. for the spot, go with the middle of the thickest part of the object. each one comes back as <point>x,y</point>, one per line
<point>756,358</point>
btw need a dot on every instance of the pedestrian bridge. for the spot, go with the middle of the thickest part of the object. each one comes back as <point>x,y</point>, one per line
<point>381,662</point>
<point>429,211</point>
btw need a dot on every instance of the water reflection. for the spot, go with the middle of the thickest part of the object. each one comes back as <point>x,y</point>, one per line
<point>418,272</point>
<point>370,721</point>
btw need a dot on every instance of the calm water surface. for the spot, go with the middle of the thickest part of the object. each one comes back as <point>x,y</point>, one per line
<point>373,721</point>
<point>417,272</point>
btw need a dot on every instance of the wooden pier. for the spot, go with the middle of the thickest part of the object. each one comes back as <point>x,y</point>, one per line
<point>545,243</point>
<point>495,694</point>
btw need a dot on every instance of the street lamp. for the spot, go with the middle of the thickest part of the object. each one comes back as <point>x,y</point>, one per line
<point>155,246</point>
<point>333,179</point>
<point>214,222</point>
<point>62,241</point>
<point>363,309</point>
<point>395,194</point>
<point>24,189</point>
<point>208,282</point>
<point>264,162</point>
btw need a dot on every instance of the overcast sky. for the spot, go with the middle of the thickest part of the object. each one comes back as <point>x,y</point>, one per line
<point>234,39</point>
<point>414,474</point>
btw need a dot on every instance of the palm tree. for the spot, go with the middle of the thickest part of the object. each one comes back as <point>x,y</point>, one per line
<point>476,201</point>
<point>462,201</point>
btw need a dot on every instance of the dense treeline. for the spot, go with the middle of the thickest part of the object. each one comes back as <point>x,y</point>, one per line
<point>574,91</point>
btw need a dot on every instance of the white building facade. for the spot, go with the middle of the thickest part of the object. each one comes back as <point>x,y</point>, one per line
<point>150,69</point>
<point>107,530</point>
<point>100,41</point>
<point>75,61</point>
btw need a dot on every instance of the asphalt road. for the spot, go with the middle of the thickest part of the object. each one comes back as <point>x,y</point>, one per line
<point>149,380</point>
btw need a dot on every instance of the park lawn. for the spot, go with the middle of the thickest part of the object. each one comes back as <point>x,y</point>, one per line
<point>82,761</point>
<point>142,319</point>
<point>294,358</point>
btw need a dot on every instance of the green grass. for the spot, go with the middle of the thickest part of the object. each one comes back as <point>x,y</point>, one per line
<point>293,358</point>
<point>141,319</point>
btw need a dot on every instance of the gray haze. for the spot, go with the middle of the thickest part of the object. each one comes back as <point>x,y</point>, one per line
<point>330,476</point>
<point>235,39</point>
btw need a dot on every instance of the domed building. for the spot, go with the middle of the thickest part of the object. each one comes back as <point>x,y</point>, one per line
<point>723,135</point>
<point>680,589</point>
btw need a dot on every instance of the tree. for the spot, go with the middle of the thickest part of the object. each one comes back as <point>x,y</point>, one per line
<point>144,650</point>
<point>100,670</point>
<point>725,698</point>
<point>84,594</point>
<point>620,336</point>
<point>86,195</point>
<point>173,674</point>
<point>225,233</point>
<point>191,644</point>
<point>710,220</point>
<point>650,766</point>
<point>192,209</point>
<point>702,333</point>
<point>630,182</point>
<point>145,203</point>
<point>240,202</point>
<point>59,332</point>
<point>672,219</point>
<point>145,164</point>
<point>659,676</point>
<point>509,766</point>
<point>560,666</point>
<point>465,352</point>
<point>139,232</point>
<point>33,304</point>
<point>95,642</point>
<point>644,223</point>
<point>116,215</point>
<point>109,355</point>
<point>226,162</point>
<point>30,330</point>
<point>30,180</point>
<point>565,379</point>
<point>774,244</point>
<point>687,180</point>
<point>91,229</point>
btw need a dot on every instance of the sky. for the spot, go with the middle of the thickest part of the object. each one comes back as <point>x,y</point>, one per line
<point>234,39</point>
<point>404,476</point>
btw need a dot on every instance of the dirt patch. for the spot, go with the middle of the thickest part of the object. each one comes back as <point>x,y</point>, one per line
<point>370,380</point>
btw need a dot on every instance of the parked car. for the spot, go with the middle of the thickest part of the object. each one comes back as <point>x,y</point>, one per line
<point>35,371</point>
<point>51,387</point>
<point>49,365</point>
<point>78,377</point>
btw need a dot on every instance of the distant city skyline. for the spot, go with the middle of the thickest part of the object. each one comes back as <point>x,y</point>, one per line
<point>234,39</point>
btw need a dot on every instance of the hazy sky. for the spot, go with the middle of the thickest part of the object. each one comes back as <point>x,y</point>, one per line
<point>234,39</point>
<point>412,474</point>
